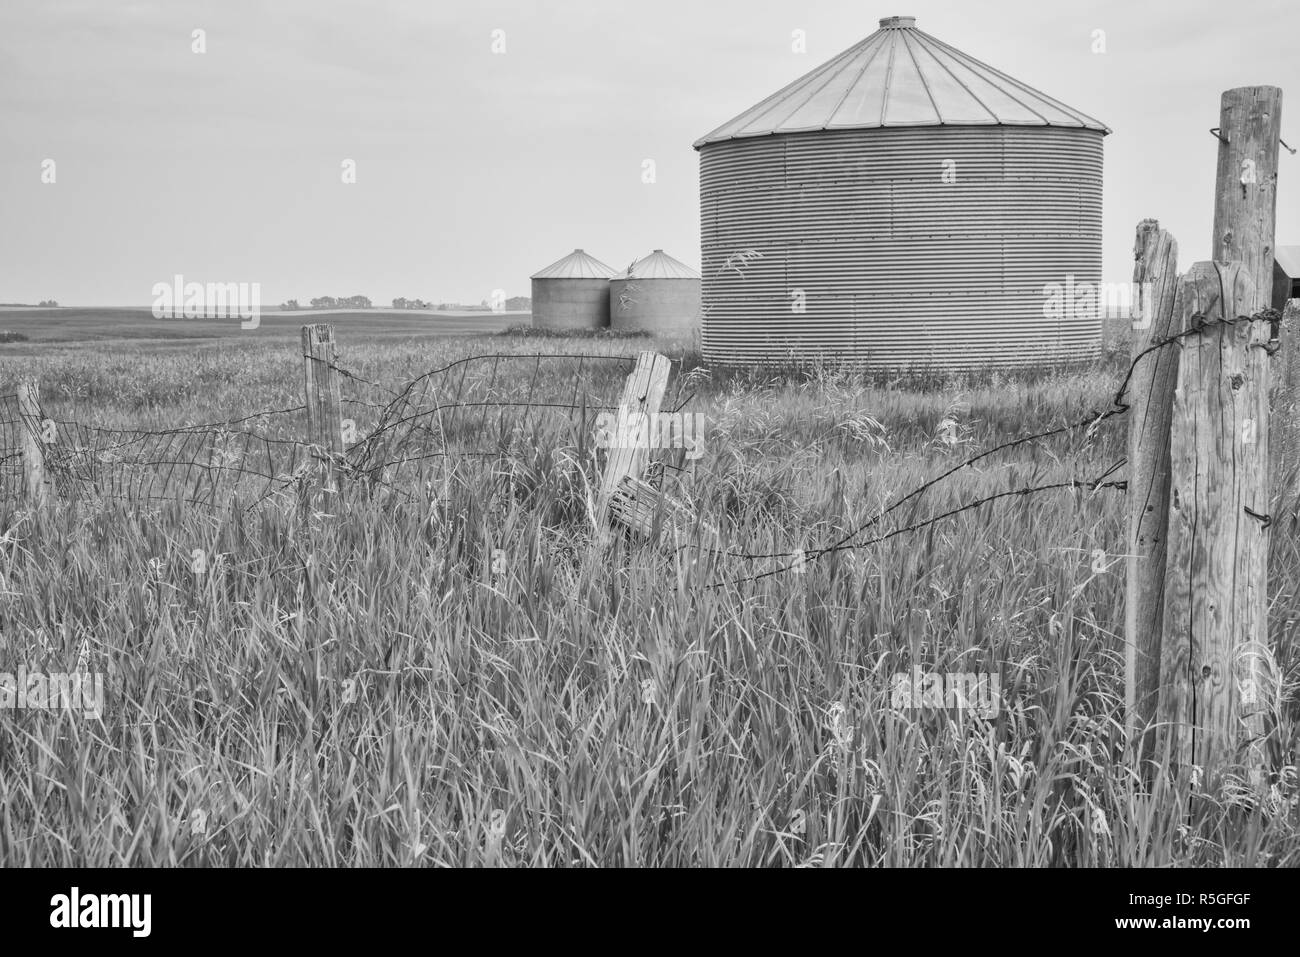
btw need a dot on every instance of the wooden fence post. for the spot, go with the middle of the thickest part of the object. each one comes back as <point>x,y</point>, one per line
<point>1151,398</point>
<point>1245,217</point>
<point>1245,214</point>
<point>324,409</point>
<point>628,458</point>
<point>30,427</point>
<point>1214,683</point>
<point>1245,199</point>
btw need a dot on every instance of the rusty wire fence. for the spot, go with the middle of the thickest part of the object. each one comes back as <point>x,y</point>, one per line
<point>488,425</point>
<point>478,423</point>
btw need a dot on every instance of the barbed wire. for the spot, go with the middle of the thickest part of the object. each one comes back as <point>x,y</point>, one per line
<point>1198,324</point>
<point>459,411</point>
<point>434,416</point>
<point>467,410</point>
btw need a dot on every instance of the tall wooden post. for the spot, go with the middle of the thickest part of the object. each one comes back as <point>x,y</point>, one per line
<point>628,457</point>
<point>1151,398</point>
<point>30,426</point>
<point>324,408</point>
<point>1213,667</point>
<point>1245,203</point>
<point>1245,217</point>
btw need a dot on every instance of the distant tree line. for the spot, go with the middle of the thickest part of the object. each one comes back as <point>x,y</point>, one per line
<point>515,304</point>
<point>350,302</point>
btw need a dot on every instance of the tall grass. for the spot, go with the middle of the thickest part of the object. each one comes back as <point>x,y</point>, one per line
<point>465,682</point>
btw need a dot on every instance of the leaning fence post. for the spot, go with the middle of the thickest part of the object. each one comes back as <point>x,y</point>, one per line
<point>324,409</point>
<point>1151,399</point>
<point>29,429</point>
<point>628,453</point>
<point>1215,674</point>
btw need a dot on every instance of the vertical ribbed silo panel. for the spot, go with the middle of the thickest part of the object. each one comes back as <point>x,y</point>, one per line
<point>899,267</point>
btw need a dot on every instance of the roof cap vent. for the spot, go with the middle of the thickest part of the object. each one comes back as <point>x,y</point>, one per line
<point>900,22</point>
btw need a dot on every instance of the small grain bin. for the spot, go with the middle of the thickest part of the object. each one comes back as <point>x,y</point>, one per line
<point>656,294</point>
<point>902,205</point>
<point>572,293</point>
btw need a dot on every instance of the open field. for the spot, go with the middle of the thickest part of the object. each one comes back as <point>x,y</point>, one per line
<point>372,691</point>
<point>72,324</point>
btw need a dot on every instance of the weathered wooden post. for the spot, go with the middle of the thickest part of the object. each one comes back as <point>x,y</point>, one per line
<point>1151,397</point>
<point>30,427</point>
<point>629,450</point>
<point>324,409</point>
<point>1245,215</point>
<point>1213,651</point>
<point>1245,218</point>
<point>1245,204</point>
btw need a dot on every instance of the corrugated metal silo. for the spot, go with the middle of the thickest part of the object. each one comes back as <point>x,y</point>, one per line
<point>572,293</point>
<point>656,294</point>
<point>902,205</point>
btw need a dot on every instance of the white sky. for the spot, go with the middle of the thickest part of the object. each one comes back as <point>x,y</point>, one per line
<point>474,170</point>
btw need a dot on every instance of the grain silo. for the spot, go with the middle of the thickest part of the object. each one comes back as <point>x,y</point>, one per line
<point>572,293</point>
<point>902,205</point>
<point>656,294</point>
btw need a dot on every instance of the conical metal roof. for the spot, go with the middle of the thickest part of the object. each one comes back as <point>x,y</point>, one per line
<point>658,265</point>
<point>576,265</point>
<point>901,76</point>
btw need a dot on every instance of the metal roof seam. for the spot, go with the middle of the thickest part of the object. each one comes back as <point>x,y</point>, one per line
<point>922,39</point>
<point>1082,118</point>
<point>852,86</point>
<point>831,75</point>
<point>758,108</point>
<point>972,64</point>
<point>921,73</point>
<point>889,76</point>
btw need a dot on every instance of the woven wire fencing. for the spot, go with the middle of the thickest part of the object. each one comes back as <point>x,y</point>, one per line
<point>240,460</point>
<point>480,424</point>
<point>11,456</point>
<point>493,425</point>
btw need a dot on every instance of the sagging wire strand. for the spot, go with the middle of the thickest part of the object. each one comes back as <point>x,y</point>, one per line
<point>1119,406</point>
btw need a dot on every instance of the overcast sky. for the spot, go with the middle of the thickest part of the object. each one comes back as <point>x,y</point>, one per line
<point>475,169</point>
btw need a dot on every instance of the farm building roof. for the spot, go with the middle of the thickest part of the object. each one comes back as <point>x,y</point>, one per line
<point>658,265</point>
<point>901,76</point>
<point>1288,257</point>
<point>576,265</point>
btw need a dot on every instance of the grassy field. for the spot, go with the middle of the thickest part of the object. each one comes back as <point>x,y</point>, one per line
<point>44,327</point>
<point>439,683</point>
